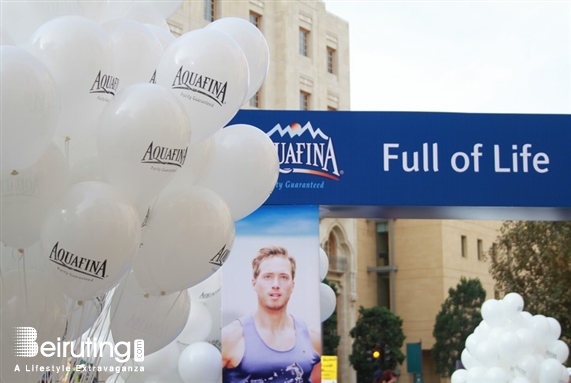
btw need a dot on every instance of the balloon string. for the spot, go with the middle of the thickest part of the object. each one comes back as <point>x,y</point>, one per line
<point>66,148</point>
<point>21,251</point>
<point>174,303</point>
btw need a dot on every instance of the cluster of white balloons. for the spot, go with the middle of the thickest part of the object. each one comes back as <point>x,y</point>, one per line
<point>120,180</point>
<point>513,346</point>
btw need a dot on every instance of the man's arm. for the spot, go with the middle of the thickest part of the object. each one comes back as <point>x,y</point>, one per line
<point>232,344</point>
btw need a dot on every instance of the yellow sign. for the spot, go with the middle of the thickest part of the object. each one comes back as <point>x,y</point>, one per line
<point>329,368</point>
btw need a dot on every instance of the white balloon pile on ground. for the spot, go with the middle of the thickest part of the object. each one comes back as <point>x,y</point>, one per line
<point>513,346</point>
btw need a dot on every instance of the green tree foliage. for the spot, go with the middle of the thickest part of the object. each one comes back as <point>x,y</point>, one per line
<point>458,317</point>
<point>533,259</point>
<point>375,325</point>
<point>329,329</point>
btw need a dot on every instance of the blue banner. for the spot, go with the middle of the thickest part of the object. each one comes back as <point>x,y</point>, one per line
<point>418,159</point>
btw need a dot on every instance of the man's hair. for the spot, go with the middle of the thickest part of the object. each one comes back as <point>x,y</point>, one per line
<point>387,375</point>
<point>269,252</point>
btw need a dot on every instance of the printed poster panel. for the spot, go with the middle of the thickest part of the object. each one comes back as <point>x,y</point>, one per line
<point>271,326</point>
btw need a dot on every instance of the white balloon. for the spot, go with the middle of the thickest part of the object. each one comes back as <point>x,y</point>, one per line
<point>472,341</point>
<point>254,46</point>
<point>557,350</point>
<point>27,196</point>
<point>137,51</point>
<point>468,361</point>
<point>197,165</point>
<point>144,12</point>
<point>193,231</point>
<point>513,304</point>
<point>28,299</point>
<point>509,345</point>
<point>21,18</point>
<point>487,353</point>
<point>30,103</point>
<point>214,306</point>
<point>328,301</point>
<point>142,141</point>
<point>554,329</point>
<point>459,376</point>
<point>5,38</point>
<point>519,379</point>
<point>244,169</point>
<point>164,35</point>
<point>79,53</point>
<point>162,361</point>
<point>527,340</point>
<point>115,9</point>
<point>207,70</point>
<point>158,320</point>
<point>200,362</point>
<point>549,371</point>
<point>323,264</point>
<point>540,327</point>
<point>493,312</point>
<point>81,316</point>
<point>166,8</point>
<point>115,378</point>
<point>497,375</point>
<point>527,367</point>
<point>89,238</point>
<point>202,292</point>
<point>477,374</point>
<point>198,325</point>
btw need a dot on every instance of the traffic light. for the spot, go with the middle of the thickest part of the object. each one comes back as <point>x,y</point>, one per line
<point>387,356</point>
<point>376,352</point>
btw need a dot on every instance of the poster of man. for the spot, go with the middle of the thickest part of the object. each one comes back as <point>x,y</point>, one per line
<point>270,303</point>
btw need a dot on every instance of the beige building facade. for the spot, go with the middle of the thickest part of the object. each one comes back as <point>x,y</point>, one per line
<point>407,265</point>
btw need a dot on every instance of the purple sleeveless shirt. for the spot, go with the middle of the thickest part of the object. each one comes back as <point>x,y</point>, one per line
<point>263,364</point>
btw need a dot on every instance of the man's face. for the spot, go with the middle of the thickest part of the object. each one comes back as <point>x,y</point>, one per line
<point>274,283</point>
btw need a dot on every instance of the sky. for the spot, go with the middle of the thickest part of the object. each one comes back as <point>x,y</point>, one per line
<point>459,56</point>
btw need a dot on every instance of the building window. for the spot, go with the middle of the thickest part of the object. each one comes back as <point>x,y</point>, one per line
<point>304,100</point>
<point>209,10</point>
<point>255,100</point>
<point>330,247</point>
<point>303,42</point>
<point>480,249</point>
<point>464,244</point>
<point>255,19</point>
<point>330,60</point>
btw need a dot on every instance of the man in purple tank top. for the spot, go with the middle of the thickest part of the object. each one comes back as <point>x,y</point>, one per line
<point>271,345</point>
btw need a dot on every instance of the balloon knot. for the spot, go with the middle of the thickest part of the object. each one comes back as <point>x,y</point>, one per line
<point>14,173</point>
<point>21,251</point>
<point>163,293</point>
<point>80,303</point>
<point>67,138</point>
<point>146,295</point>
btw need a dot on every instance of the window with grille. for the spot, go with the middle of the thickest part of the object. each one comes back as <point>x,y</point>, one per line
<point>304,99</point>
<point>303,42</point>
<point>209,10</point>
<point>255,100</point>
<point>330,60</point>
<point>255,19</point>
